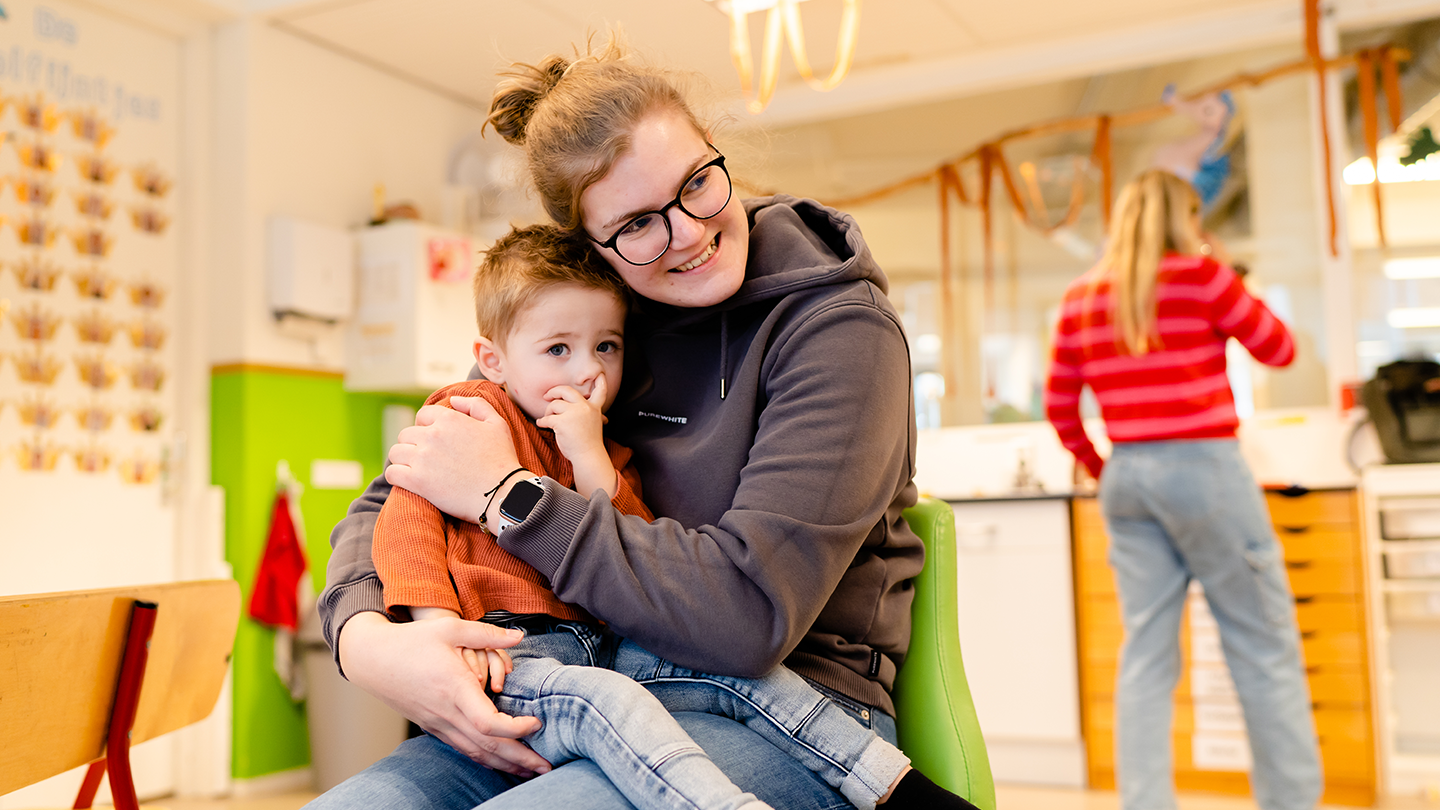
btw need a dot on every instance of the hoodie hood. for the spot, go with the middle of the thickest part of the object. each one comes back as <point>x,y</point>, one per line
<point>795,244</point>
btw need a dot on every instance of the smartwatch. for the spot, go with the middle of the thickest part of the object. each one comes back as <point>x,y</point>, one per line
<point>520,502</point>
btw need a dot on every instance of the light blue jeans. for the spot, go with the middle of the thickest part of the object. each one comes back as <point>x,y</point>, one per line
<point>587,688</point>
<point>1183,510</point>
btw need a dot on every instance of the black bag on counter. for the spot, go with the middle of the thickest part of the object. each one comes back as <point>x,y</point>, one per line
<point>1404,403</point>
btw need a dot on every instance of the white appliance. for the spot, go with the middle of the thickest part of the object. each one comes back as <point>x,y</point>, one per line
<point>414,324</point>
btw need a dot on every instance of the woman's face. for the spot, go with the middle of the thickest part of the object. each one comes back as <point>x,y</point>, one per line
<point>705,263</point>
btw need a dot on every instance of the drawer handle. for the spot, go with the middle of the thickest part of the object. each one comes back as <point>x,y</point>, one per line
<point>1296,565</point>
<point>1304,600</point>
<point>1313,669</point>
<point>1294,529</point>
<point>1309,634</point>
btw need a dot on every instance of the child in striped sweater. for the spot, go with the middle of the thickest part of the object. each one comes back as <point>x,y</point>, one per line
<point>1146,329</point>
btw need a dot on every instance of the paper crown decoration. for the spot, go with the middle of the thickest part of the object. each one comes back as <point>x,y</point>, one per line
<point>37,454</point>
<point>147,294</point>
<point>146,376</point>
<point>36,232</point>
<point>38,156</point>
<point>92,242</point>
<point>147,334</point>
<point>38,412</point>
<point>94,283</point>
<point>93,204</point>
<point>150,180</point>
<point>35,366</point>
<point>33,273</point>
<point>146,418</point>
<point>137,469</point>
<point>94,417</point>
<point>92,458</point>
<point>94,327</point>
<point>37,192</point>
<point>33,322</point>
<point>96,371</point>
<point>37,113</point>
<point>97,168</point>
<point>89,126</point>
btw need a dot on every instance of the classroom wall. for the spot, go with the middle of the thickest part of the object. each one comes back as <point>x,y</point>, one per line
<point>303,132</point>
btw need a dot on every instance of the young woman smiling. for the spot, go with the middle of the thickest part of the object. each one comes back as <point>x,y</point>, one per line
<point>768,405</point>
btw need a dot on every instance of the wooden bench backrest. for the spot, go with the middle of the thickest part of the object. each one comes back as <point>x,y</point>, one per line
<point>60,658</point>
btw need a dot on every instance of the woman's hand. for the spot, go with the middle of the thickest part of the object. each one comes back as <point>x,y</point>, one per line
<point>419,669</point>
<point>451,456</point>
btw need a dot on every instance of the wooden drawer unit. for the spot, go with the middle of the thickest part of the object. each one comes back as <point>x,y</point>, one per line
<point>1320,537</point>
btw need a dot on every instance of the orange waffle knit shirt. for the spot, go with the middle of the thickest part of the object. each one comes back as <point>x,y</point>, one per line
<point>419,550</point>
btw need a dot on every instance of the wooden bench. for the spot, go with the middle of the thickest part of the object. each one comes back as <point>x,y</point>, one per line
<point>86,674</point>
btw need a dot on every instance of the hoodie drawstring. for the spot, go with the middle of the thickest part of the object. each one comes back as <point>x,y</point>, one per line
<point>724,350</point>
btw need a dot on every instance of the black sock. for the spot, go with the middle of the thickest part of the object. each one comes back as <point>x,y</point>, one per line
<point>917,791</point>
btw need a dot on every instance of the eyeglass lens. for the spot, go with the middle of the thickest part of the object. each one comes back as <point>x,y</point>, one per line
<point>645,238</point>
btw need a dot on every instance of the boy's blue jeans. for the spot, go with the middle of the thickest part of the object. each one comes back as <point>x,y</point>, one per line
<point>597,696</point>
<point>1183,510</point>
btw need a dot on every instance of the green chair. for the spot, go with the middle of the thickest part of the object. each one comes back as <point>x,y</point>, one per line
<point>934,711</point>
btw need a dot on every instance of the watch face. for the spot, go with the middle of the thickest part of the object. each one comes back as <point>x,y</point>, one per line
<point>522,498</point>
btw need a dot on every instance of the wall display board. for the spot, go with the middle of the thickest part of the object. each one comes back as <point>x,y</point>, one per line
<point>89,259</point>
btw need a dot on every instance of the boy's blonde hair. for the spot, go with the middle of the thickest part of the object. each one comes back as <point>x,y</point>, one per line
<point>527,261</point>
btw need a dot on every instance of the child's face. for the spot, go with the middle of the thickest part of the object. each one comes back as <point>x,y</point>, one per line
<point>569,336</point>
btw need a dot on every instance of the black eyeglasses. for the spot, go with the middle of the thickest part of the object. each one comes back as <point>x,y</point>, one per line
<point>643,239</point>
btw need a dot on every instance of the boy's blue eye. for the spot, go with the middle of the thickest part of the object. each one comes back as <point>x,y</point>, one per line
<point>558,350</point>
<point>608,346</point>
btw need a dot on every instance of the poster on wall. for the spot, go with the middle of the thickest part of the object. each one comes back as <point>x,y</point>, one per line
<point>89,260</point>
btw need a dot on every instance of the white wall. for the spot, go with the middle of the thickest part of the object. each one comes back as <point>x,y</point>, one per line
<point>304,132</point>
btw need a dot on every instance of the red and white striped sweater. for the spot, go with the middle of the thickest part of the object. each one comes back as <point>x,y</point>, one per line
<point>1176,391</point>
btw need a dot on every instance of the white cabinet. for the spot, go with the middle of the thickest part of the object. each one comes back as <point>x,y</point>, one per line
<point>1017,635</point>
<point>414,322</point>
<point>1402,545</point>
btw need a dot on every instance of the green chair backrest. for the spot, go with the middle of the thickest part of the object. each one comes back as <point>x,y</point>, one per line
<point>934,711</point>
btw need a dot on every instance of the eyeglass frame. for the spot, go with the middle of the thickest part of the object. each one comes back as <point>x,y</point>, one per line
<point>675,203</point>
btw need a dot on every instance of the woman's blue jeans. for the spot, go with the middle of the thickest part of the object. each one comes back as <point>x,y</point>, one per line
<point>1183,510</point>
<point>589,701</point>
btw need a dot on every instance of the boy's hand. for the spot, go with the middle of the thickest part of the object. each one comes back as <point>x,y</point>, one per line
<point>495,663</point>
<point>578,421</point>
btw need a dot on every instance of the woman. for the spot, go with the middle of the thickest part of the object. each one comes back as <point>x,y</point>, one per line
<point>772,426</point>
<point>1146,330</point>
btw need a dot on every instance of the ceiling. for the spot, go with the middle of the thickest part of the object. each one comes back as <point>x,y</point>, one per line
<point>909,51</point>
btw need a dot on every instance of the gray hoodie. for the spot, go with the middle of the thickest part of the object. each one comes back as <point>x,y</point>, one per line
<point>776,434</point>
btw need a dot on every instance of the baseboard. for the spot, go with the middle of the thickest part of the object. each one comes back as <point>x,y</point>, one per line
<point>272,784</point>
<point>1030,762</point>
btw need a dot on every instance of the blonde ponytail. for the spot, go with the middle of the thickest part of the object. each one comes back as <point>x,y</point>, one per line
<point>1156,212</point>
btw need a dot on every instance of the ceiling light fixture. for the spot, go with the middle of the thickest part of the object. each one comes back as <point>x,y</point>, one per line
<point>1425,267</point>
<point>782,21</point>
<point>1414,317</point>
<point>1362,171</point>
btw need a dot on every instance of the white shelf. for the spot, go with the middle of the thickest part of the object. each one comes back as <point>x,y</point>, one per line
<point>1402,646</point>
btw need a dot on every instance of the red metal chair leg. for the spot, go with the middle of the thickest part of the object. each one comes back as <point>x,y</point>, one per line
<point>91,785</point>
<point>122,715</point>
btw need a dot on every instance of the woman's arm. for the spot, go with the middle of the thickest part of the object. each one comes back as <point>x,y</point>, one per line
<point>1238,314</point>
<point>1063,386</point>
<point>832,454</point>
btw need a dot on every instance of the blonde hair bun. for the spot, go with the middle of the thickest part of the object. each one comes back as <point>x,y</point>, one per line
<point>517,95</point>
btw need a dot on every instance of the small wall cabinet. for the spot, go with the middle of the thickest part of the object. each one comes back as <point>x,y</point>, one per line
<point>1320,534</point>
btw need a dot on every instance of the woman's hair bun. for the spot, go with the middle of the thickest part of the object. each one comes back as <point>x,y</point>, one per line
<point>519,92</point>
